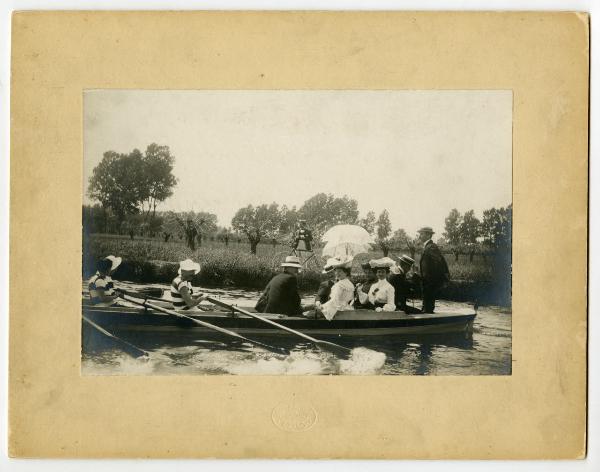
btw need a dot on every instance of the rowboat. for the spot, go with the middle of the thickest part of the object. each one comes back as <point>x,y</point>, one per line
<point>345,323</point>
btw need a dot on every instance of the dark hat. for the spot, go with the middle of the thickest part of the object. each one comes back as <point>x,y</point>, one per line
<point>366,266</point>
<point>426,229</point>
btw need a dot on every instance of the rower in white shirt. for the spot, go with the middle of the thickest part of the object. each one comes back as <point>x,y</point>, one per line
<point>381,294</point>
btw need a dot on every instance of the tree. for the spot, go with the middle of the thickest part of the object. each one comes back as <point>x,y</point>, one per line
<point>452,231</point>
<point>288,220</point>
<point>496,227</point>
<point>469,231</point>
<point>190,224</point>
<point>158,181</point>
<point>322,211</point>
<point>401,240</point>
<point>368,222</point>
<point>257,223</point>
<point>115,183</point>
<point>384,230</point>
<point>133,183</point>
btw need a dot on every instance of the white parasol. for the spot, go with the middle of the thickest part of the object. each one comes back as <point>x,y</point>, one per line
<point>346,240</point>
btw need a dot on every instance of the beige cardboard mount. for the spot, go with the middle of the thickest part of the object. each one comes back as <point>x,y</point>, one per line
<point>537,412</point>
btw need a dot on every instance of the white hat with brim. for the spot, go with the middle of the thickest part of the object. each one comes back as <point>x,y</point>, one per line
<point>337,263</point>
<point>115,262</point>
<point>292,261</point>
<point>382,263</point>
<point>189,265</point>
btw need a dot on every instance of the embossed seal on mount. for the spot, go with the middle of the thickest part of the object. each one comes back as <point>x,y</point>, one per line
<point>294,416</point>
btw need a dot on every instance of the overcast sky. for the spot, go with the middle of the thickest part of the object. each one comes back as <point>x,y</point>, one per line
<point>417,153</point>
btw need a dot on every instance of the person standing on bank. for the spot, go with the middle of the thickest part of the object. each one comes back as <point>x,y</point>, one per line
<point>182,293</point>
<point>281,293</point>
<point>402,285</point>
<point>434,269</point>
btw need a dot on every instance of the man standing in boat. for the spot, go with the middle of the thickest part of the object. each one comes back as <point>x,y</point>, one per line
<point>281,293</point>
<point>434,269</point>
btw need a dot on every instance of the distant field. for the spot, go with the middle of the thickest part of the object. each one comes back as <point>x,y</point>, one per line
<point>153,260</point>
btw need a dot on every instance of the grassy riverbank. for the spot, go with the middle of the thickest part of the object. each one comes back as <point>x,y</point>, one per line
<point>154,261</point>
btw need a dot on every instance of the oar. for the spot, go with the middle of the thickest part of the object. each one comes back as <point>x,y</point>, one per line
<point>202,323</point>
<point>326,345</point>
<point>138,352</point>
<point>149,297</point>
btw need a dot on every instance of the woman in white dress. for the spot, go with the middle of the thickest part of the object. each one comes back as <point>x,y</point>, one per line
<point>342,292</point>
<point>381,293</point>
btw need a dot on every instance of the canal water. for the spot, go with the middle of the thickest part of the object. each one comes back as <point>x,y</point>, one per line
<point>486,352</point>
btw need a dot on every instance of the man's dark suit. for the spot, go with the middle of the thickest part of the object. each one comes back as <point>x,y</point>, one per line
<point>281,296</point>
<point>402,288</point>
<point>434,273</point>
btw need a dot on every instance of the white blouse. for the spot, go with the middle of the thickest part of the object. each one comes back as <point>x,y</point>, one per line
<point>341,298</point>
<point>380,292</point>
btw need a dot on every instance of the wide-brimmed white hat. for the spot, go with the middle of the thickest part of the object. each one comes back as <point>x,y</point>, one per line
<point>189,265</point>
<point>338,262</point>
<point>384,262</point>
<point>292,261</point>
<point>115,261</point>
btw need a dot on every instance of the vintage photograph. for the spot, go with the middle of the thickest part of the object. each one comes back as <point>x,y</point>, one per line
<point>297,232</point>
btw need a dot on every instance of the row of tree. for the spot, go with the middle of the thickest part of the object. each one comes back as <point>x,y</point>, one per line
<point>130,186</point>
<point>466,234</point>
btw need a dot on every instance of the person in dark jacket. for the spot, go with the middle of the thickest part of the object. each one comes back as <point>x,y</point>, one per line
<point>302,240</point>
<point>403,284</point>
<point>325,286</point>
<point>371,278</point>
<point>281,293</point>
<point>434,269</point>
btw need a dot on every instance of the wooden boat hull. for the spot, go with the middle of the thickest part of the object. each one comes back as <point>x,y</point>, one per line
<point>349,323</point>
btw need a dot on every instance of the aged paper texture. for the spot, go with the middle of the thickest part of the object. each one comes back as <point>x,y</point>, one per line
<point>537,412</point>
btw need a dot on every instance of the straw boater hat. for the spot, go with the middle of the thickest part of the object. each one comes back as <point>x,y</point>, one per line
<point>292,261</point>
<point>426,229</point>
<point>188,265</point>
<point>114,261</point>
<point>406,259</point>
<point>384,262</point>
<point>338,262</point>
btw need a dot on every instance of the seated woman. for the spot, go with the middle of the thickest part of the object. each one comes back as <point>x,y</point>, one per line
<point>361,300</point>
<point>324,291</point>
<point>101,285</point>
<point>341,297</point>
<point>381,293</point>
<point>182,293</point>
